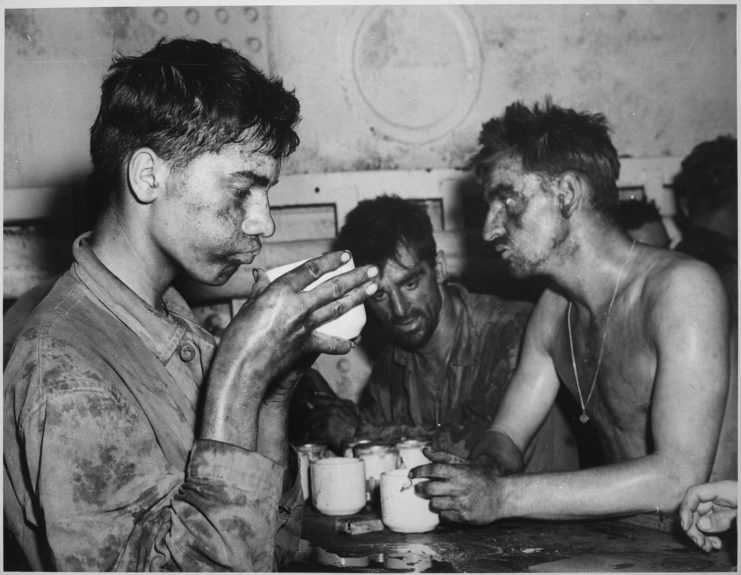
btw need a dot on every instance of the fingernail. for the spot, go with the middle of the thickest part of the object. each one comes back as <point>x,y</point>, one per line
<point>373,272</point>
<point>704,523</point>
<point>371,289</point>
<point>345,257</point>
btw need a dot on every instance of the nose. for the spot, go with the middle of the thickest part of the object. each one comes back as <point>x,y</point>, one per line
<point>399,304</point>
<point>494,222</point>
<point>258,220</point>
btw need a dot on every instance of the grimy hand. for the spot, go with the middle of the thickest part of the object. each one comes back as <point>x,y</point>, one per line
<point>277,325</point>
<point>268,335</point>
<point>459,492</point>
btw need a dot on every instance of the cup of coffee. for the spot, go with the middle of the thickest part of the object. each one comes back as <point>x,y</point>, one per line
<point>349,324</point>
<point>338,485</point>
<point>402,510</point>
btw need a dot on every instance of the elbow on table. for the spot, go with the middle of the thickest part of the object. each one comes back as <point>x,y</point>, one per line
<point>677,480</point>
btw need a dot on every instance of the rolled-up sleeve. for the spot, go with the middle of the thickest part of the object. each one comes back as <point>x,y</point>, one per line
<point>224,516</point>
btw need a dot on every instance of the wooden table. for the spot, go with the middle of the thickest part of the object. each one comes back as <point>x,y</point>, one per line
<point>505,547</point>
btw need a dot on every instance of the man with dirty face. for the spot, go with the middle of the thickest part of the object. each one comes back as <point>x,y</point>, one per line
<point>132,441</point>
<point>448,355</point>
<point>638,335</point>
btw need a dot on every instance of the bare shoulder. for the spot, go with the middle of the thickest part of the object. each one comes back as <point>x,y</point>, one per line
<point>546,318</point>
<point>674,283</point>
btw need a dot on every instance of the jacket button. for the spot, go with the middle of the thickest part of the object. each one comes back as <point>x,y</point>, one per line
<point>187,352</point>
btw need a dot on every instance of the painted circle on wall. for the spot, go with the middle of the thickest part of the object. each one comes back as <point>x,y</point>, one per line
<point>415,71</point>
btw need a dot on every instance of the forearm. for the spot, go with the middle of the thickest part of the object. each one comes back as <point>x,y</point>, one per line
<point>272,441</point>
<point>647,484</point>
<point>234,392</point>
<point>496,448</point>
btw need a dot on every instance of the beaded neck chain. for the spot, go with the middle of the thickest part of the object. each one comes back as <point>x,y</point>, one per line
<point>584,417</point>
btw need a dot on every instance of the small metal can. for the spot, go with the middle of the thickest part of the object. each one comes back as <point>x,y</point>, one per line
<point>378,457</point>
<point>410,452</point>
<point>348,446</point>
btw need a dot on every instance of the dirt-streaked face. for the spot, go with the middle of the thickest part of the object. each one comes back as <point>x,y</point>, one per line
<point>408,300</point>
<point>215,211</point>
<point>524,220</point>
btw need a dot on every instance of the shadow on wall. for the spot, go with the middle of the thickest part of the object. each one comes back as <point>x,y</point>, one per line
<point>36,249</point>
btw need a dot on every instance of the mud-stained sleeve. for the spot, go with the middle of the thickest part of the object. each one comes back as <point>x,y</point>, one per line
<point>290,517</point>
<point>224,516</point>
<point>111,501</point>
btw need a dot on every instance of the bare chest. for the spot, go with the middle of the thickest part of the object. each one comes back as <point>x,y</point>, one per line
<point>611,385</point>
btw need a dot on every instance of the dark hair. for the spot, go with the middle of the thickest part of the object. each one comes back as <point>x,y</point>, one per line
<point>550,140</point>
<point>184,98</point>
<point>632,214</point>
<point>708,178</point>
<point>374,230</point>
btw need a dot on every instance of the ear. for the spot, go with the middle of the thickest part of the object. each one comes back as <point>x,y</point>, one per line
<point>570,192</point>
<point>145,175</point>
<point>441,267</point>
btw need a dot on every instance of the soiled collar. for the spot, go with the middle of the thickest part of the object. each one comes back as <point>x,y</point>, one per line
<point>160,331</point>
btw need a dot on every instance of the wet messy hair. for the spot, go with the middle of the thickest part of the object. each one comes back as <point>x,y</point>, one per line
<point>709,176</point>
<point>550,140</point>
<point>375,229</point>
<point>184,98</point>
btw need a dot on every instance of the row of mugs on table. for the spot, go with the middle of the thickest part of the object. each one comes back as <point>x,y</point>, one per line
<point>369,474</point>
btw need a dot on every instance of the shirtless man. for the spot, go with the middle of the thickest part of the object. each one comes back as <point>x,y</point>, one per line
<point>448,355</point>
<point>638,335</point>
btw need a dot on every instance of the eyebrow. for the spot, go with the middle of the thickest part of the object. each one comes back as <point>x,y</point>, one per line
<point>259,179</point>
<point>411,274</point>
<point>498,191</point>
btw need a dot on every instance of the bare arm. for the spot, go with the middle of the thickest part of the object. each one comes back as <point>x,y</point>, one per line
<point>529,397</point>
<point>471,492</point>
<point>687,322</point>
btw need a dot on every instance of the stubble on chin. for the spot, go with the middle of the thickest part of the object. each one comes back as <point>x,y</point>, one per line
<point>223,274</point>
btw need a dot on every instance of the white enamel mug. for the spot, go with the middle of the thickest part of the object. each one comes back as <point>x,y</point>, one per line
<point>349,324</point>
<point>338,485</point>
<point>402,510</point>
